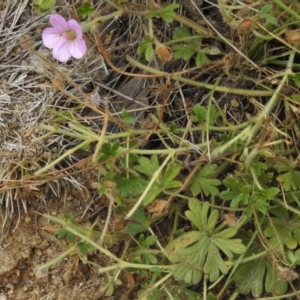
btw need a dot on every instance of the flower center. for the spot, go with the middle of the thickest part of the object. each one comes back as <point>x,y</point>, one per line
<point>70,35</point>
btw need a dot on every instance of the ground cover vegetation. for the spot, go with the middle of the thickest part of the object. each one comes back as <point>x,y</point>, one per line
<point>159,158</point>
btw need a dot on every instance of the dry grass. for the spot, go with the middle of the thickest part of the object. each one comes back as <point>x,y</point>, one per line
<point>32,86</point>
<point>55,119</point>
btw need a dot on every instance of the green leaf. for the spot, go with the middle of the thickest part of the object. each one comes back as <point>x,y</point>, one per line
<point>61,233</point>
<point>213,219</point>
<point>85,10</point>
<point>178,291</point>
<point>142,253</point>
<point>166,13</point>
<point>171,7</point>
<point>274,282</point>
<point>114,147</point>
<point>152,194</point>
<point>127,118</point>
<point>290,180</point>
<point>283,231</point>
<point>141,222</point>
<point>239,193</point>
<point>109,150</point>
<point>133,228</point>
<point>184,51</point>
<point>70,237</point>
<point>172,170</point>
<point>187,45</point>
<point>296,78</point>
<point>271,19</point>
<point>214,263</point>
<point>294,257</point>
<point>172,184</point>
<point>147,166</point>
<point>296,97</point>
<point>202,181</point>
<point>181,33</point>
<point>174,128</point>
<point>266,9</point>
<point>198,214</point>
<point>211,50</point>
<point>266,13</point>
<point>146,47</point>
<point>201,58</point>
<point>199,252</point>
<point>249,277</point>
<point>203,115</point>
<point>271,193</point>
<point>164,182</point>
<point>85,248</point>
<point>259,167</point>
<point>199,113</point>
<point>230,246</point>
<point>129,186</point>
<point>213,115</point>
<point>260,199</point>
<point>86,147</point>
<point>254,276</point>
<point>183,241</point>
<point>149,241</point>
<point>192,259</point>
<point>284,164</point>
<point>43,6</point>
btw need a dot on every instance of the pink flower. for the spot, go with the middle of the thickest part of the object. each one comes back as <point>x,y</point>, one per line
<point>64,38</point>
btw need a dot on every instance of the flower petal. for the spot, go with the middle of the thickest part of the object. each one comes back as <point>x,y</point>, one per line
<point>58,22</point>
<point>73,24</point>
<point>62,52</point>
<point>77,48</point>
<point>51,37</point>
<point>59,38</point>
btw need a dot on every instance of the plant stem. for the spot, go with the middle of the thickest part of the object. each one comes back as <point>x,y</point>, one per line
<point>65,154</point>
<point>200,84</point>
<point>286,296</point>
<point>153,179</point>
<point>287,9</point>
<point>58,258</point>
<point>89,25</point>
<point>156,285</point>
<point>192,25</point>
<point>121,263</point>
<point>248,133</point>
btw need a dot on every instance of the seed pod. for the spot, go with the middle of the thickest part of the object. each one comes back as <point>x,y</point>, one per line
<point>293,36</point>
<point>163,53</point>
<point>245,26</point>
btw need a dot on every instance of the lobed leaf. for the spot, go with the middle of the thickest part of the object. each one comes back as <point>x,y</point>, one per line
<point>254,276</point>
<point>283,232</point>
<point>146,166</point>
<point>203,183</point>
<point>249,277</point>
<point>129,186</point>
<point>195,258</point>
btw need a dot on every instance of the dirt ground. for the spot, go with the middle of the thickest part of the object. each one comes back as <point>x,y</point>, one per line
<point>24,250</point>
